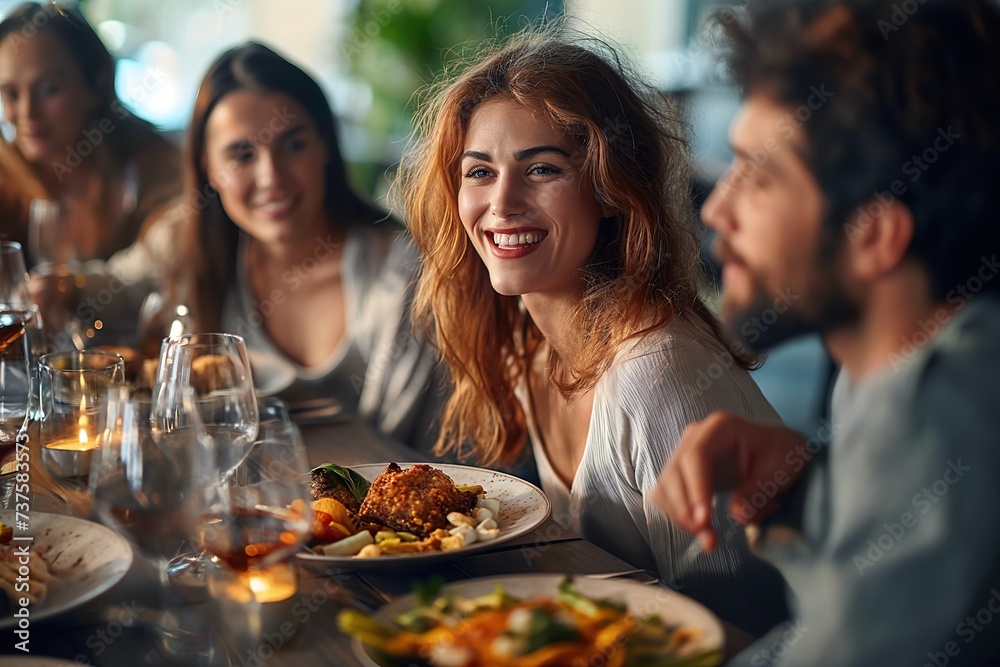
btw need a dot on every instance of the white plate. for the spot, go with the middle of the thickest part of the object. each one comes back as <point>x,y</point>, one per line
<point>642,600</point>
<point>85,558</point>
<point>523,507</point>
<point>271,373</point>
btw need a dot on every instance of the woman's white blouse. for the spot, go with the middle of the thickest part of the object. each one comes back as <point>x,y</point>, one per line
<point>642,405</point>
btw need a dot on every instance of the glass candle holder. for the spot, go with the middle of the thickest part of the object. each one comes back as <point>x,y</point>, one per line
<point>254,604</point>
<point>74,388</point>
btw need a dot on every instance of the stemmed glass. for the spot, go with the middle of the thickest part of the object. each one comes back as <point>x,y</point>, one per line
<point>148,478</point>
<point>151,480</point>
<point>56,259</point>
<point>15,353</point>
<point>216,367</point>
<point>254,530</point>
<point>264,515</point>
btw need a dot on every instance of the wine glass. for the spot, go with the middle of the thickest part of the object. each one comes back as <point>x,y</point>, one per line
<point>264,516</point>
<point>151,480</point>
<point>22,342</point>
<point>57,261</point>
<point>13,276</point>
<point>253,532</point>
<point>15,357</point>
<point>148,478</point>
<point>216,367</point>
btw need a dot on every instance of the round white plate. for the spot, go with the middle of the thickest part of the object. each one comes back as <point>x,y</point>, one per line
<point>271,373</point>
<point>523,507</point>
<point>642,600</point>
<point>85,558</point>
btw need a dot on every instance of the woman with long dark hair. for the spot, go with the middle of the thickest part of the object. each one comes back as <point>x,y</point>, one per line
<point>280,249</point>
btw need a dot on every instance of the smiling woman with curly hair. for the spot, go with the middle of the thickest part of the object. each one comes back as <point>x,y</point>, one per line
<point>548,192</point>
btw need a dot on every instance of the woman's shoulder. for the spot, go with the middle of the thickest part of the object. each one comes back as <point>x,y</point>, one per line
<point>685,367</point>
<point>384,249</point>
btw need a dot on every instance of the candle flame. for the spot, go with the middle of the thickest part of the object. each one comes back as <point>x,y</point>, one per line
<point>83,436</point>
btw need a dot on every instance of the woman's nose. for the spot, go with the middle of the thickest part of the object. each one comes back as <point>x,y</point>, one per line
<point>508,198</point>
<point>268,170</point>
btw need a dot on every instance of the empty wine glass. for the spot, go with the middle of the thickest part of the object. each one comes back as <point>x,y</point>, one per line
<point>216,367</point>
<point>57,262</point>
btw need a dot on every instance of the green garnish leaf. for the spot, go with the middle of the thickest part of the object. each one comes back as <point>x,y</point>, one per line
<point>355,483</point>
<point>428,590</point>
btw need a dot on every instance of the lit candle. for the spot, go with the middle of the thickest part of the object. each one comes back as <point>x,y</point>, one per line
<point>274,584</point>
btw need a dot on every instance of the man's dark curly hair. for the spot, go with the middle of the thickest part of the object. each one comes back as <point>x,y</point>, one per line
<point>915,106</point>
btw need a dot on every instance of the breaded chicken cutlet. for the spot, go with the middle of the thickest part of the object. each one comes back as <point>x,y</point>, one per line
<point>416,500</point>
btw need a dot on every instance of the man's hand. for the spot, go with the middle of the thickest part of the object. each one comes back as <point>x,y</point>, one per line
<point>727,453</point>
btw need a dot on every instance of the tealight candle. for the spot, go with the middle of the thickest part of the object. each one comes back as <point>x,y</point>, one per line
<point>274,584</point>
<point>254,603</point>
<point>69,456</point>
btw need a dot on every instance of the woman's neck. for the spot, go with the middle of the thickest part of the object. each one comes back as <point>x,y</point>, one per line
<point>553,317</point>
<point>320,242</point>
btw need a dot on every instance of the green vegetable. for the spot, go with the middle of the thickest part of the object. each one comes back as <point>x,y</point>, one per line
<point>368,630</point>
<point>407,537</point>
<point>475,489</point>
<point>545,630</point>
<point>355,483</point>
<point>570,597</point>
<point>427,590</point>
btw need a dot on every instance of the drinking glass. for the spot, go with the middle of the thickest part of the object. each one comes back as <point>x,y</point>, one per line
<point>216,367</point>
<point>56,259</point>
<point>148,475</point>
<point>254,531</point>
<point>15,387</point>
<point>151,480</point>
<point>13,276</point>
<point>16,305</point>
<point>74,388</point>
<point>264,515</point>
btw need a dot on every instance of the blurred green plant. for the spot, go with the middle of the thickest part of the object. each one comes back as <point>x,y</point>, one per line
<point>397,46</point>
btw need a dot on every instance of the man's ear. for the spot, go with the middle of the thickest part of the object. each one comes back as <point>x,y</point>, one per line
<point>878,237</point>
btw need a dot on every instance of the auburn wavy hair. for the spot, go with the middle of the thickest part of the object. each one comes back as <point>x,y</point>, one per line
<point>644,270</point>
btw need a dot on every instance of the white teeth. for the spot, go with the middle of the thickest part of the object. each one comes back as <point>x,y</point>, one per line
<point>515,240</point>
<point>277,205</point>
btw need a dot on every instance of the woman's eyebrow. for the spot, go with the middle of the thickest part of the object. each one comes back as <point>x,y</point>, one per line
<point>520,155</point>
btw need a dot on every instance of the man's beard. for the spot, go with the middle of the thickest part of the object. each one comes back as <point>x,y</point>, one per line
<point>819,306</point>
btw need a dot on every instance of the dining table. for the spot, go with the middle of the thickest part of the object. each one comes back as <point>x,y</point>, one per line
<point>118,628</point>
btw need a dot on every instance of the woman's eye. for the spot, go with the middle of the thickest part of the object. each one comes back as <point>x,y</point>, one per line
<point>48,89</point>
<point>294,145</point>
<point>542,170</point>
<point>243,157</point>
<point>477,173</point>
<point>8,95</point>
